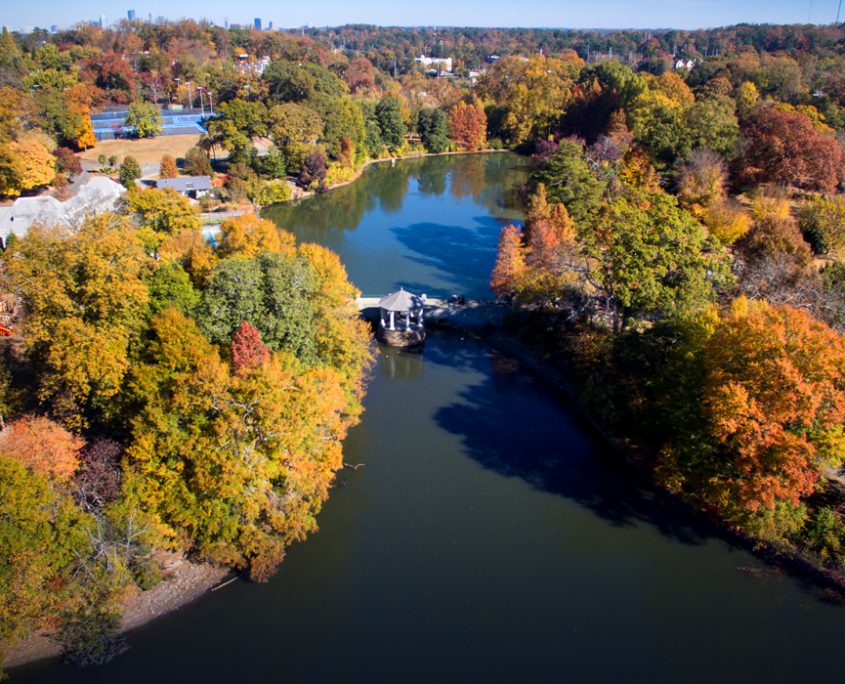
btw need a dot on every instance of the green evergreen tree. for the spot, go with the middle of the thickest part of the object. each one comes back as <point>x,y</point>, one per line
<point>389,115</point>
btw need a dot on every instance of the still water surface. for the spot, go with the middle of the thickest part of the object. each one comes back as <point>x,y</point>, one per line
<point>489,538</point>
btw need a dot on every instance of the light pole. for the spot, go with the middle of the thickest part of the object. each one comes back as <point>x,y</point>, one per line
<point>190,95</point>
<point>178,85</point>
<point>202,106</point>
<point>210,102</point>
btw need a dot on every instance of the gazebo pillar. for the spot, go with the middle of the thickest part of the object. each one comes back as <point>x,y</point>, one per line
<point>392,323</point>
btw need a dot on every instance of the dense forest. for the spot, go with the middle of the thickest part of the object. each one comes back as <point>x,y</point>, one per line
<point>680,255</point>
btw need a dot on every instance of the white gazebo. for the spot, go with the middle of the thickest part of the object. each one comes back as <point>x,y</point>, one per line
<point>401,318</point>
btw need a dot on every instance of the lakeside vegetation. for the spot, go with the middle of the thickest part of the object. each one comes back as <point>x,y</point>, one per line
<point>682,237</point>
<point>681,253</point>
<point>165,395</point>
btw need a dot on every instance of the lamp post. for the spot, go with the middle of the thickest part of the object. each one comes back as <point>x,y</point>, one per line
<point>210,102</point>
<point>178,85</point>
<point>190,95</point>
<point>202,106</point>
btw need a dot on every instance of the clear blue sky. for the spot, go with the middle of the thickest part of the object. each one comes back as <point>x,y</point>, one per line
<point>556,13</point>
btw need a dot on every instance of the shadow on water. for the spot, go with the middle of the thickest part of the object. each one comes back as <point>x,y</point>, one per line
<point>449,250</point>
<point>519,426</point>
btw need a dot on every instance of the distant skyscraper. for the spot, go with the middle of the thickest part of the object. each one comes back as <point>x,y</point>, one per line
<point>226,22</point>
<point>130,15</point>
<point>270,26</point>
<point>102,21</point>
<point>257,23</point>
<point>54,28</point>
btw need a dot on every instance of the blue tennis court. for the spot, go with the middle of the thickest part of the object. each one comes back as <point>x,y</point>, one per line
<point>109,124</point>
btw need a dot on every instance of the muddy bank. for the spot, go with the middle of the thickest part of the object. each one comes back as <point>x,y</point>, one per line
<point>184,581</point>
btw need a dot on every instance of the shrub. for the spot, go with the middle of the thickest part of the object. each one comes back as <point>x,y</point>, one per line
<point>91,636</point>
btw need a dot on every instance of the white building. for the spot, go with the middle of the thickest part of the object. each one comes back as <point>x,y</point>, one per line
<point>96,195</point>
<point>436,63</point>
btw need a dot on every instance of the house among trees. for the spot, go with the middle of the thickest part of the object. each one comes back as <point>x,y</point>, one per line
<point>189,186</point>
<point>438,64</point>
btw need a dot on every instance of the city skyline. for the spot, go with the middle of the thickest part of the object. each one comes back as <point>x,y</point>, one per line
<point>607,14</point>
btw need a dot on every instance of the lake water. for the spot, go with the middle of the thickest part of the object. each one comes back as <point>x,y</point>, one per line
<point>489,537</point>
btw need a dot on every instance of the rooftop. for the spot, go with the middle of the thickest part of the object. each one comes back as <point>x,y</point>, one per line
<point>400,302</point>
<point>96,195</point>
<point>185,183</point>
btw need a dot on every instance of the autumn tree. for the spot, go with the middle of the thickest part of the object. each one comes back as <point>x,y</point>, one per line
<point>85,300</point>
<point>293,127</point>
<point>509,271</point>
<point>747,97</point>
<point>248,351</point>
<point>314,170</point>
<point>42,446</point>
<point>249,235</point>
<point>785,147</point>
<point>167,167</point>
<point>25,165</point>
<point>468,126</point>
<point>239,502</point>
<point>360,75</point>
<point>726,220</point>
<point>534,95</point>
<point>702,180</point>
<point>773,403</point>
<point>197,163</point>
<point>163,211</point>
<point>822,221</point>
<point>43,534</point>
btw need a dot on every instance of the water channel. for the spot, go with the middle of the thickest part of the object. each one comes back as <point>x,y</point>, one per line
<point>489,537</point>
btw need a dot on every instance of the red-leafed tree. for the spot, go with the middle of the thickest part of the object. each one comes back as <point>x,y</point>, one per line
<point>785,147</point>
<point>468,126</point>
<point>248,351</point>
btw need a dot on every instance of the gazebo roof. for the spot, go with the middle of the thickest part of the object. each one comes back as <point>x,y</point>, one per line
<point>400,301</point>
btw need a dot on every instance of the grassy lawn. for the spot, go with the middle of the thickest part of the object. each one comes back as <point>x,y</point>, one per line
<point>146,150</point>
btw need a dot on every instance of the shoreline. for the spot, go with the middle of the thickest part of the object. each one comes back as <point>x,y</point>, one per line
<point>305,194</point>
<point>184,582</point>
<point>559,380</point>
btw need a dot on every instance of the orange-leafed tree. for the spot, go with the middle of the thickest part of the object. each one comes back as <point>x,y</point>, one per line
<point>167,167</point>
<point>774,397</point>
<point>468,126</point>
<point>248,351</point>
<point>509,271</point>
<point>42,445</point>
